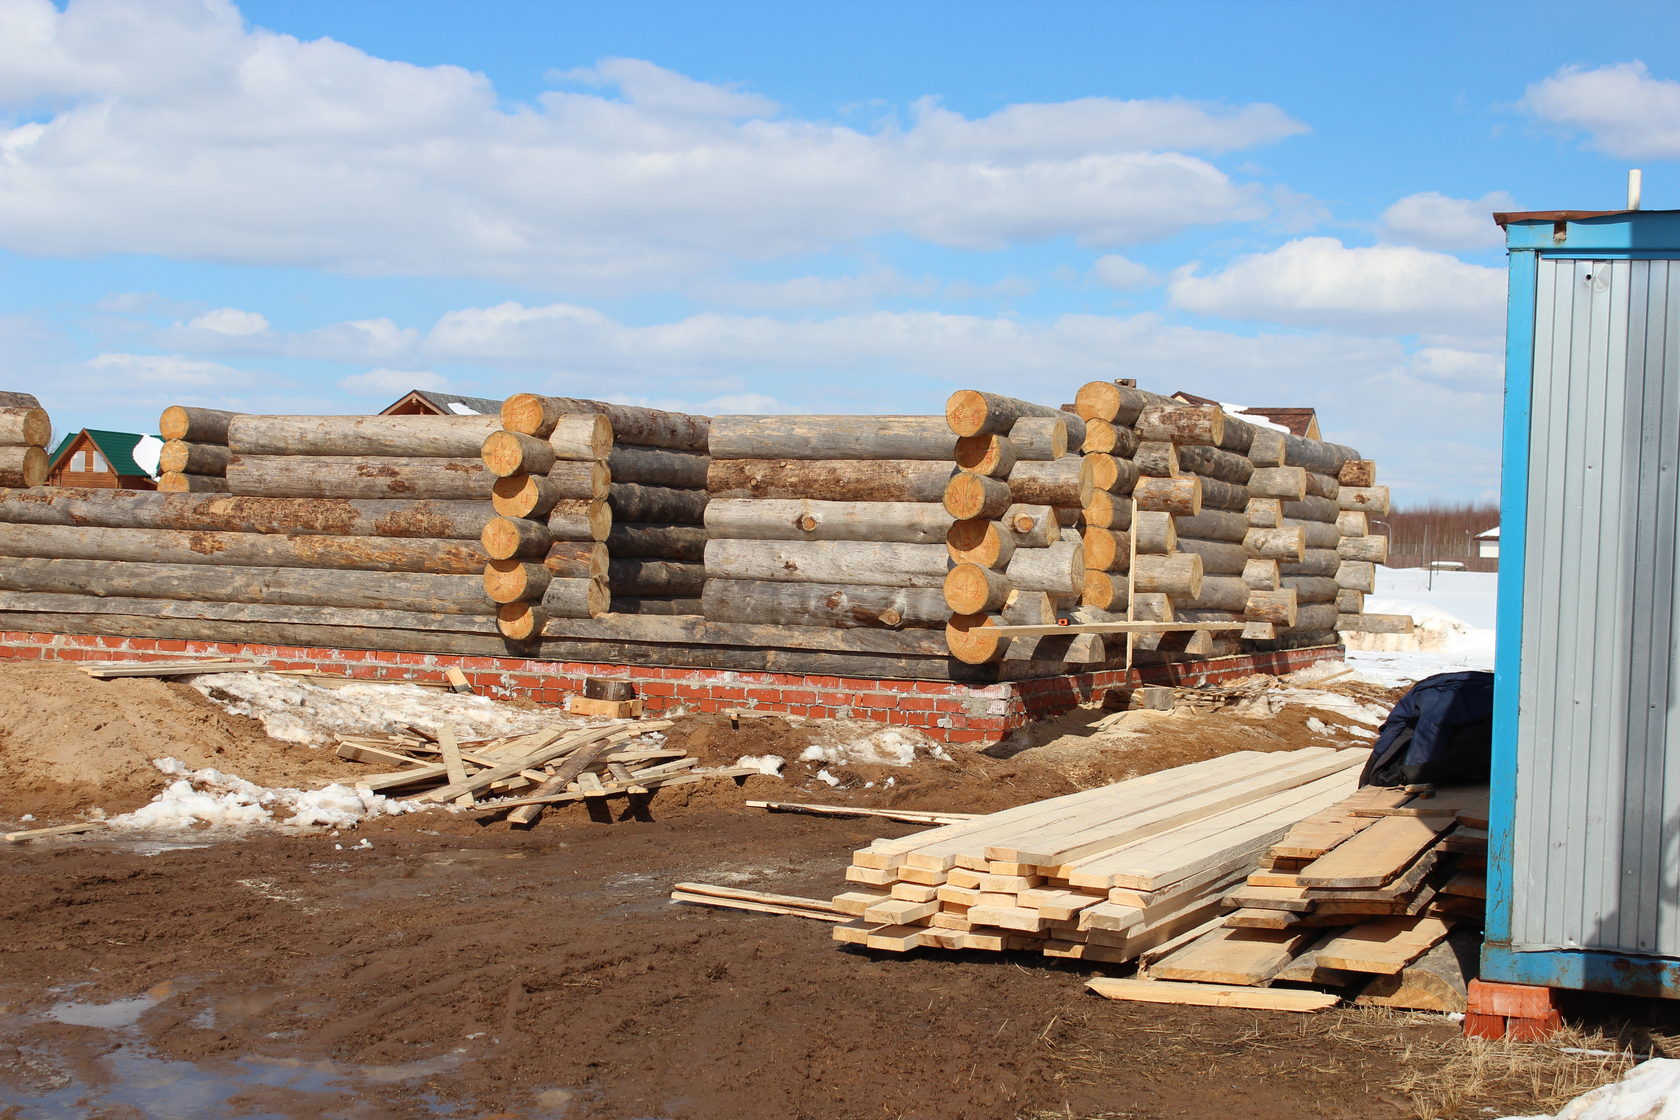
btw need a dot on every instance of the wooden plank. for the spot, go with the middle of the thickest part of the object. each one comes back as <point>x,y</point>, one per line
<point>713,890</point>
<point>542,747</point>
<point>757,907</point>
<point>457,680</point>
<point>1384,946</point>
<point>1377,854</point>
<point>1212,995</point>
<point>1330,827</point>
<point>1047,630</point>
<point>911,816</point>
<point>453,768</point>
<point>52,830</point>
<point>169,668</point>
<point>1232,956</point>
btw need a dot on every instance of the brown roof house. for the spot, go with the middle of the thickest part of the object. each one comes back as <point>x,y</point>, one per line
<point>104,460</point>
<point>425,402</point>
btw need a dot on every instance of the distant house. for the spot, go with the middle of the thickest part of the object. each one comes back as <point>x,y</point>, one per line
<point>104,460</point>
<point>424,402</point>
<point>1300,421</point>
<point>1487,544</point>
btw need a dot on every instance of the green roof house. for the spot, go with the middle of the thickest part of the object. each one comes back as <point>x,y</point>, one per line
<point>105,461</point>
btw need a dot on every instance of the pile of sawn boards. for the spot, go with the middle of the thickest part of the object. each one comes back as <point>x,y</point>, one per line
<point>527,773</point>
<point>1102,875</point>
<point>1353,895</point>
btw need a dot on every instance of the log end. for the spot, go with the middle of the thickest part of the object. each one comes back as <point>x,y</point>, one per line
<point>969,589</point>
<point>1097,400</point>
<point>526,413</point>
<point>966,637</point>
<point>504,454</point>
<point>966,412</point>
<point>35,462</point>
<point>174,423</point>
<point>520,622</point>
<point>509,581</point>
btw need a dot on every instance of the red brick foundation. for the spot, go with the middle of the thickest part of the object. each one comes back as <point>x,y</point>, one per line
<point>946,711</point>
<point>1523,1012</point>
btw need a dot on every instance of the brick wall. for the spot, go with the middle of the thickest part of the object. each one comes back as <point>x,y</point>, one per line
<point>947,712</point>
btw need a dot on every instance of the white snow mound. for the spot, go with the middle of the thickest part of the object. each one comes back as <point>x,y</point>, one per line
<point>1648,1091</point>
<point>210,797</point>
<point>851,744</point>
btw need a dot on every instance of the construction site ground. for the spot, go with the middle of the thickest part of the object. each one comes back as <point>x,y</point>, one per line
<point>446,965</point>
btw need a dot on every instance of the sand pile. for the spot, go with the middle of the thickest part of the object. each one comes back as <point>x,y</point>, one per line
<point>69,743</point>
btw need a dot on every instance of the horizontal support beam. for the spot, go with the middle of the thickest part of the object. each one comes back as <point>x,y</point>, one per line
<point>1111,628</point>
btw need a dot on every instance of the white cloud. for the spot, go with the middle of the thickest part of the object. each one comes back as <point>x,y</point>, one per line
<point>391,382</point>
<point>1432,220</point>
<point>230,321</point>
<point>175,129</point>
<point>1623,110</point>
<point>165,369</point>
<point>1319,282</point>
<point>809,291</point>
<point>1121,273</point>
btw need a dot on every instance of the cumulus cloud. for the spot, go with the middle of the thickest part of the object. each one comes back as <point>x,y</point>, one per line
<point>391,382</point>
<point>1319,282</point>
<point>230,321</point>
<point>177,129</point>
<point>1623,109</point>
<point>1114,271</point>
<point>810,291</point>
<point>165,369</point>
<point>1432,220</point>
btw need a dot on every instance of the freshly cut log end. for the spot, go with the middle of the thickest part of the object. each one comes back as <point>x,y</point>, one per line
<point>972,495</point>
<point>199,425</point>
<point>523,495</point>
<point>990,455</point>
<point>521,622</point>
<point>1170,495</point>
<point>1107,472</point>
<point>1108,400</point>
<point>971,589</point>
<point>968,641</point>
<point>1105,437</point>
<point>1107,550</point>
<point>25,427</point>
<point>1104,591</point>
<point>979,541</point>
<point>1108,511</point>
<point>509,581</point>
<point>1176,575</point>
<point>177,482</point>
<point>507,538</point>
<point>23,467</point>
<point>528,413</point>
<point>514,453</point>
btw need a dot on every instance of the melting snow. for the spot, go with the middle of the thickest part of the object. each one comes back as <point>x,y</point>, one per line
<point>1648,1091</point>
<point>770,764</point>
<point>210,797</point>
<point>146,454</point>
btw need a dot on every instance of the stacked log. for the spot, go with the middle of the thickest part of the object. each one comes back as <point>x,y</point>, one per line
<point>195,452</point>
<point>545,539</point>
<point>1017,554</point>
<point>1358,498</point>
<point>1303,490</point>
<point>655,499</point>
<point>1112,470</point>
<point>364,457</point>
<point>164,564</point>
<point>831,522</point>
<point>24,431</point>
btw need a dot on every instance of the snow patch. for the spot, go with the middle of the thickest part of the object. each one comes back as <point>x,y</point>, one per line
<point>824,776</point>
<point>210,797</point>
<point>460,409</point>
<point>847,745</point>
<point>295,710</point>
<point>1648,1091</point>
<point>146,454</point>
<point>770,764</point>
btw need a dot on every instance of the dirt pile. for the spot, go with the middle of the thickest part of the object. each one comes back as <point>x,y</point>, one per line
<point>70,743</point>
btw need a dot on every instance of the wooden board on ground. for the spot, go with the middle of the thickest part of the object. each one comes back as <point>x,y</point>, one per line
<point>1212,995</point>
<point>1232,956</point>
<point>910,816</point>
<point>1436,981</point>
<point>611,709</point>
<point>1384,946</point>
<point>169,668</point>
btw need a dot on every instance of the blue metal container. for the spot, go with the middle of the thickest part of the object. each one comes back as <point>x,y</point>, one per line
<point>1584,846</point>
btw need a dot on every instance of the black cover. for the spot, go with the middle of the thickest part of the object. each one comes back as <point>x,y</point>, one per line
<point>1440,733</point>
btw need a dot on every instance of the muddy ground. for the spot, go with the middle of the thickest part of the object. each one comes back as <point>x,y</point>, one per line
<point>436,965</point>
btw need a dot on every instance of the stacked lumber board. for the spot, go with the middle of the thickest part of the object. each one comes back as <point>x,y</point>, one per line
<point>653,486</point>
<point>546,541</point>
<point>525,774</point>
<point>1017,556</point>
<point>195,453</point>
<point>25,429</point>
<point>1351,897</point>
<point>1103,875</point>
<point>829,522</point>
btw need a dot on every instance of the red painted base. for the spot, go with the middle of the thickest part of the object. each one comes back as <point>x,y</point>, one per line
<point>1523,1012</point>
<point>945,711</point>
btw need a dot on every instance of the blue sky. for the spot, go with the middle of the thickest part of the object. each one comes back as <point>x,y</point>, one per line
<point>292,206</point>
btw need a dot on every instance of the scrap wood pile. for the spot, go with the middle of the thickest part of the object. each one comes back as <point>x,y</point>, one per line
<point>1101,875</point>
<point>526,773</point>
<point>1363,893</point>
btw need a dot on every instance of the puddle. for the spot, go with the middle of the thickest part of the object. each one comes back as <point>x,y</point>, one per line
<point>117,1013</point>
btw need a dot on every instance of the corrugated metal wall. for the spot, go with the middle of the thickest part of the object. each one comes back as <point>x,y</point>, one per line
<point>1598,784</point>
